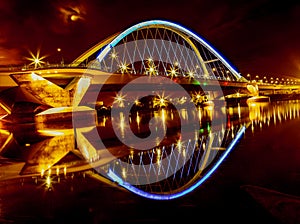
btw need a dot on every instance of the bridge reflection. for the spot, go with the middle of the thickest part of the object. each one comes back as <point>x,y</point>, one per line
<point>171,169</point>
<point>150,111</point>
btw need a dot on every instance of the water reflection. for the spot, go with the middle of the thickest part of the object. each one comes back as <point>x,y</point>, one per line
<point>264,114</point>
<point>49,152</point>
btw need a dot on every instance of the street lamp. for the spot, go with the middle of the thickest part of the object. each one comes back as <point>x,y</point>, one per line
<point>60,53</point>
<point>265,79</point>
<point>36,60</point>
<point>249,77</point>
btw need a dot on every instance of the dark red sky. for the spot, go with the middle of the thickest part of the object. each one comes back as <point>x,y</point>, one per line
<point>257,37</point>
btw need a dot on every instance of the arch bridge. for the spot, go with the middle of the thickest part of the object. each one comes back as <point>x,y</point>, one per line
<point>151,48</point>
<point>156,48</point>
<point>161,48</point>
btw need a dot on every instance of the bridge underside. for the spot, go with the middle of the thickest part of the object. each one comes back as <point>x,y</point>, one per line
<point>39,91</point>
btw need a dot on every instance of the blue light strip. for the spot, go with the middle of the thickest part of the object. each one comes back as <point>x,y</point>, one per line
<point>115,41</point>
<point>142,193</point>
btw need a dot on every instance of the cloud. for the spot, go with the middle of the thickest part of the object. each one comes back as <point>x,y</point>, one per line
<point>10,56</point>
<point>67,15</point>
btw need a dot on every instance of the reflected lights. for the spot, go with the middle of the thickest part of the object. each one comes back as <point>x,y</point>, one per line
<point>154,196</point>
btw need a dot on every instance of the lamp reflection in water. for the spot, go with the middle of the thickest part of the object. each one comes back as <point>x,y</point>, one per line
<point>48,155</point>
<point>264,114</point>
<point>179,166</point>
<point>129,170</point>
<point>204,160</point>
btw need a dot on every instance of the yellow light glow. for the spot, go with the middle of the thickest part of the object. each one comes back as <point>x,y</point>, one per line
<point>36,60</point>
<point>7,109</point>
<point>158,153</point>
<point>3,116</point>
<point>179,145</point>
<point>138,119</point>
<point>124,174</point>
<point>190,74</point>
<point>113,54</point>
<point>119,99</point>
<point>160,101</point>
<point>102,122</point>
<point>48,182</point>
<point>42,172</point>
<point>51,132</point>
<point>5,132</point>
<point>56,110</point>
<point>124,68</point>
<point>55,132</point>
<point>172,72</point>
<point>75,17</point>
<point>122,124</point>
<point>151,70</point>
<point>184,114</point>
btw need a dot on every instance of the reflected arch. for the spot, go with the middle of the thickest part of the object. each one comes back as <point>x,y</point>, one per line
<point>161,48</point>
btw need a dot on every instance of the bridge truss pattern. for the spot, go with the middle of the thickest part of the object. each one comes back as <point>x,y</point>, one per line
<point>159,48</point>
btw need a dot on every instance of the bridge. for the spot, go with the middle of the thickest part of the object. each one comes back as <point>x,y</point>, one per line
<point>152,48</point>
<point>148,66</point>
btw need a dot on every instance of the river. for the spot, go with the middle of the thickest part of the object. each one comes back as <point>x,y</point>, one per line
<point>264,162</point>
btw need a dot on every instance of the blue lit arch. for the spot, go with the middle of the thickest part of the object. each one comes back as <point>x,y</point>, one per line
<point>191,49</point>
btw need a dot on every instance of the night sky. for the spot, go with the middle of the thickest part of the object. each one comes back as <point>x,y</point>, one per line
<point>257,37</point>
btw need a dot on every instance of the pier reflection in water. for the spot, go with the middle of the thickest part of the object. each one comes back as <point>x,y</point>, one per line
<point>48,154</point>
<point>174,167</point>
<point>170,169</point>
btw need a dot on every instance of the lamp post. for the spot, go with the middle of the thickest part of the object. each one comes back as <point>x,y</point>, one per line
<point>249,77</point>
<point>265,79</point>
<point>61,56</point>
